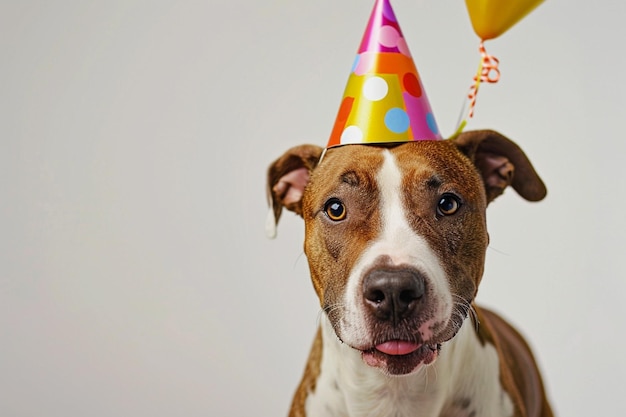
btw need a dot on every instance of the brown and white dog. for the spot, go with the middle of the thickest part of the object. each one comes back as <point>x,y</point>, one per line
<point>396,239</point>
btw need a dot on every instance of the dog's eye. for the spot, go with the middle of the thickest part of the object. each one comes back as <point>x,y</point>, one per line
<point>448,205</point>
<point>335,209</point>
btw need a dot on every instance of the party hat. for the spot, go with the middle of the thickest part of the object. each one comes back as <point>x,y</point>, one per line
<point>384,100</point>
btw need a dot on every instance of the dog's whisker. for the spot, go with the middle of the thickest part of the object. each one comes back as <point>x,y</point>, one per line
<point>329,309</point>
<point>501,252</point>
<point>432,368</point>
<point>470,309</point>
<point>298,259</point>
<point>466,305</point>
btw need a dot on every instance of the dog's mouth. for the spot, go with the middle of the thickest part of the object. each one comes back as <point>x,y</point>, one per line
<point>400,357</point>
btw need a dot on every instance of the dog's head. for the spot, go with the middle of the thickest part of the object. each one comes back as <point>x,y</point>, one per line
<point>396,235</point>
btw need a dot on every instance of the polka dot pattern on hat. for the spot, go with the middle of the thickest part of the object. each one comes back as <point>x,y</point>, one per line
<point>384,100</point>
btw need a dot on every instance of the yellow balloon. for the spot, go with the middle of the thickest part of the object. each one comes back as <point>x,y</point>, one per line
<point>491,18</point>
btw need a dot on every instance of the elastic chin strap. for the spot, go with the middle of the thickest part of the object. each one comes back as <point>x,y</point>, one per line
<point>319,161</point>
<point>270,224</point>
<point>270,220</point>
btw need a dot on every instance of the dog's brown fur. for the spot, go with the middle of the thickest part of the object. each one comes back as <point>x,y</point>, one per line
<point>488,161</point>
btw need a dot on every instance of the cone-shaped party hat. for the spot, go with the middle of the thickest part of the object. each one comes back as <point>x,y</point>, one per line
<point>384,100</point>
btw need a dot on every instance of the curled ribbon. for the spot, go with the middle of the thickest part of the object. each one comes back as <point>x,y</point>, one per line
<point>487,72</point>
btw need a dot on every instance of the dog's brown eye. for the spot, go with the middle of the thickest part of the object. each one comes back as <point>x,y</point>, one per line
<point>448,205</point>
<point>335,209</point>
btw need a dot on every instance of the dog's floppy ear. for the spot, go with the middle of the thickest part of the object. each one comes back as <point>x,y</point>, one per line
<point>286,179</point>
<point>501,163</point>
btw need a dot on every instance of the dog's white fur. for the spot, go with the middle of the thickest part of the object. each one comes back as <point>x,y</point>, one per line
<point>400,243</point>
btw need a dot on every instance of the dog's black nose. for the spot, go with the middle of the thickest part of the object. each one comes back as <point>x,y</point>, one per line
<point>393,294</point>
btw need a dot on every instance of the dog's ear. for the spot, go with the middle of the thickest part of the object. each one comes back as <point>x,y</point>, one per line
<point>501,163</point>
<point>286,179</point>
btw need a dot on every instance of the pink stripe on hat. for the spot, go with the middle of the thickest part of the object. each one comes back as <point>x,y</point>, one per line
<point>387,101</point>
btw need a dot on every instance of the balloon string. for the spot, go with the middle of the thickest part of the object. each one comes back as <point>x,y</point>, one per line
<point>487,72</point>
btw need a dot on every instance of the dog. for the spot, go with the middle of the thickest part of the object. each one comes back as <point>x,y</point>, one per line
<point>395,237</point>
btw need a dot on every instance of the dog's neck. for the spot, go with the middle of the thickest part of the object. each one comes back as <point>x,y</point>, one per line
<point>348,387</point>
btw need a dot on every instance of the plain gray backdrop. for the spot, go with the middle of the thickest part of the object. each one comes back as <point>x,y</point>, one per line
<point>135,276</point>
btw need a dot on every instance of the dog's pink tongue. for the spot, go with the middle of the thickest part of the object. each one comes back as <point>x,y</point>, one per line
<point>398,347</point>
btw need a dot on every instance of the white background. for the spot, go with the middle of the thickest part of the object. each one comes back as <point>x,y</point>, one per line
<point>135,277</point>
